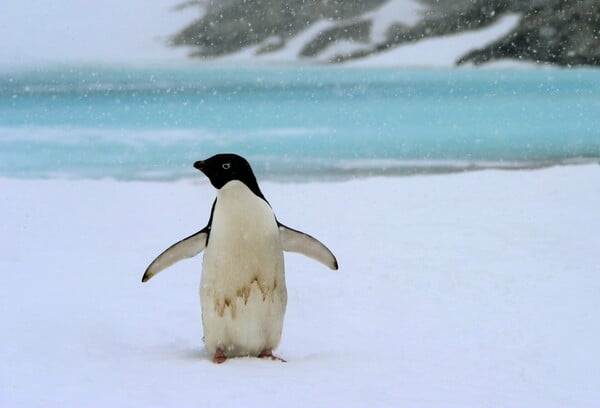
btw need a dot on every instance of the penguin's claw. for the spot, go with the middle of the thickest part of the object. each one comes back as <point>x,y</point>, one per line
<point>219,357</point>
<point>268,353</point>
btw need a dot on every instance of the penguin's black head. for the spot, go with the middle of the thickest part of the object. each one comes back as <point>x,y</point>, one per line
<point>223,168</point>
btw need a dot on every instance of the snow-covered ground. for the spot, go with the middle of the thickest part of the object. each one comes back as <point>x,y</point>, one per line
<point>473,289</point>
<point>136,32</point>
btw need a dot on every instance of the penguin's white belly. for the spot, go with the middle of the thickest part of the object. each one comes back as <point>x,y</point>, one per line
<point>242,290</point>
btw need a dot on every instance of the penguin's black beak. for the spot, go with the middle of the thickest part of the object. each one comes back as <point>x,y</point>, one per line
<point>199,165</point>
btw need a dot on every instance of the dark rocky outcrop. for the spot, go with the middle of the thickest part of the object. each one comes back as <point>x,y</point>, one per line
<point>563,32</point>
<point>229,25</point>
<point>357,32</point>
<point>557,32</point>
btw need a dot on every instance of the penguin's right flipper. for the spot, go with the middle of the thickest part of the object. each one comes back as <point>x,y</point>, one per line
<point>186,248</point>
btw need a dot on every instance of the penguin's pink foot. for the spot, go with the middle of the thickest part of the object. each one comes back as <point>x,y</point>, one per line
<point>268,353</point>
<point>219,357</point>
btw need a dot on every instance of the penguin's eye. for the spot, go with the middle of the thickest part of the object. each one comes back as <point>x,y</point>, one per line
<point>226,166</point>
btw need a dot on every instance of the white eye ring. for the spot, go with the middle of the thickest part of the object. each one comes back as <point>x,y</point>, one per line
<point>226,166</point>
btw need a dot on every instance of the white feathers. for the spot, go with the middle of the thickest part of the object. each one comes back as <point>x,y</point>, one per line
<point>242,291</point>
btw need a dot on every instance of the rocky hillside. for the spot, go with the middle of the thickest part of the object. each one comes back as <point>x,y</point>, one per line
<point>563,32</point>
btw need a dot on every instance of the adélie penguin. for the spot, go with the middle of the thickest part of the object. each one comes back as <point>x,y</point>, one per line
<point>242,289</point>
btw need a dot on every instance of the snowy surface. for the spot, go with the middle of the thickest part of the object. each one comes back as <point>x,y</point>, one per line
<point>136,32</point>
<point>473,289</point>
<point>406,12</point>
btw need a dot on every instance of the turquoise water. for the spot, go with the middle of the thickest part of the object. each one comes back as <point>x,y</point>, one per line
<point>300,123</point>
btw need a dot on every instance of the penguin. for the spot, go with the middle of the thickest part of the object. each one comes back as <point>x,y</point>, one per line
<point>243,294</point>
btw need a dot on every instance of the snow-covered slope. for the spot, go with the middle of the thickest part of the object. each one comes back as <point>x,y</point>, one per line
<point>110,32</point>
<point>475,289</point>
<point>403,33</point>
<point>440,52</point>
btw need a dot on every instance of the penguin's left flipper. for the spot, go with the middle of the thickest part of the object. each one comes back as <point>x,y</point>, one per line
<point>186,248</point>
<point>296,241</point>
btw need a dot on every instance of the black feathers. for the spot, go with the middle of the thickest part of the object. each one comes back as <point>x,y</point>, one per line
<point>223,168</point>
